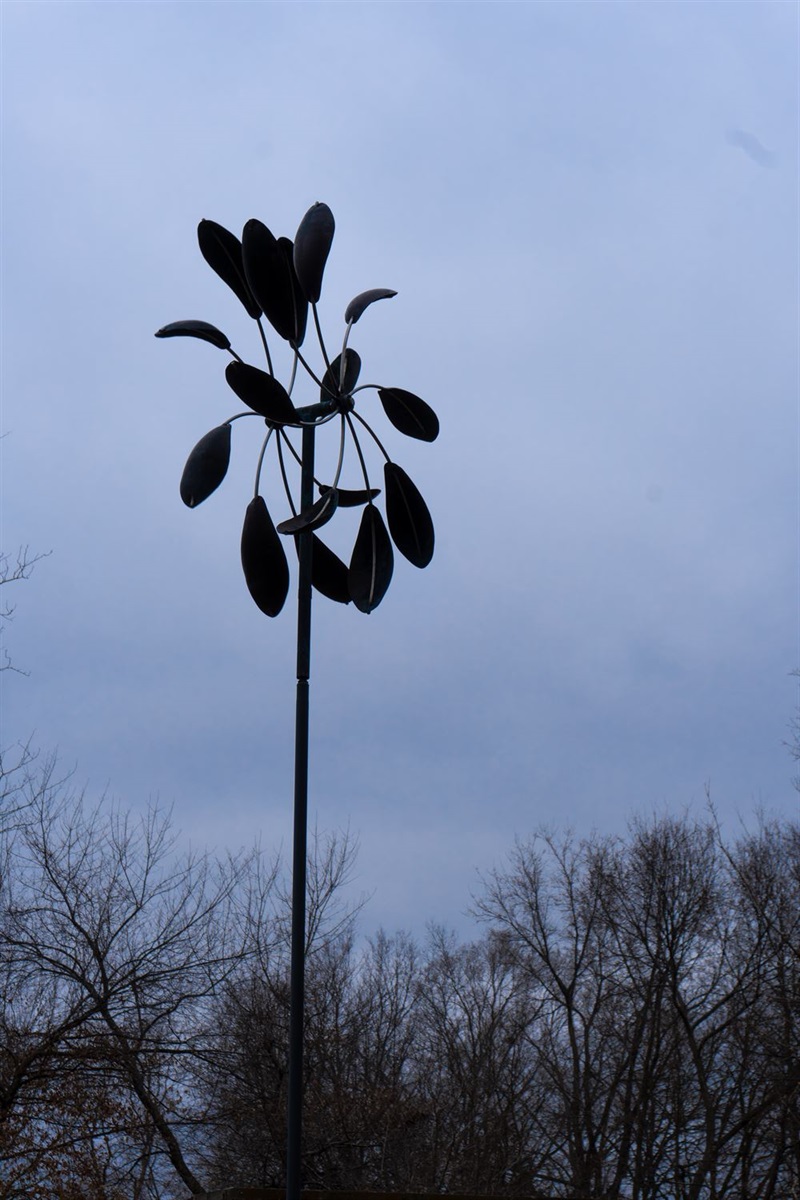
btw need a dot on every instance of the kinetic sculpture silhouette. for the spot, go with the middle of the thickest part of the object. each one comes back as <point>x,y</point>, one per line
<point>279,279</point>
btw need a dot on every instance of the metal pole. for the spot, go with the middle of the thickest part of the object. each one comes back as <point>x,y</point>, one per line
<point>299,854</point>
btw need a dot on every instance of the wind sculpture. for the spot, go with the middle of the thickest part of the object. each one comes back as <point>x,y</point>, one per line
<point>279,279</point>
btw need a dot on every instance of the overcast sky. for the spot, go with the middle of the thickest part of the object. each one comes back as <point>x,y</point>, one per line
<point>590,213</point>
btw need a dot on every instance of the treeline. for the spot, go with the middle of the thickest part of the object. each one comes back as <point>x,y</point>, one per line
<point>626,1026</point>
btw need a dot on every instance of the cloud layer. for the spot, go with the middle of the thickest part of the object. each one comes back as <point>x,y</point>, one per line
<point>597,294</point>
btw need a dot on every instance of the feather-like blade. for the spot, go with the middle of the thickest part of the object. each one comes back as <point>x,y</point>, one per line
<point>312,245</point>
<point>410,522</point>
<point>328,572</point>
<point>330,380</point>
<point>266,570</point>
<point>372,562</point>
<point>271,278</point>
<point>349,498</point>
<point>206,466</point>
<point>195,329</point>
<point>261,392</point>
<point>409,414</point>
<point>222,250</point>
<point>299,302</point>
<point>314,517</point>
<point>362,301</point>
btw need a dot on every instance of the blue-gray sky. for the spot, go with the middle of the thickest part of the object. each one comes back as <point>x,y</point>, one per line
<point>590,213</point>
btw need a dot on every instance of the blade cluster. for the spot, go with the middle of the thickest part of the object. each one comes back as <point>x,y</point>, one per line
<point>280,280</point>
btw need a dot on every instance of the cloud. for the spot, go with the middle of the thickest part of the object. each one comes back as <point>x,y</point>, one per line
<point>752,148</point>
<point>599,312</point>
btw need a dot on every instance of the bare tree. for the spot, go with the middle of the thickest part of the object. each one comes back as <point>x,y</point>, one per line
<point>364,1114</point>
<point>793,745</point>
<point>18,768</point>
<point>245,1073</point>
<point>669,1028</point>
<point>765,871</point>
<point>12,570</point>
<point>627,1027</point>
<point>112,945</point>
<point>547,908</point>
<point>473,1071</point>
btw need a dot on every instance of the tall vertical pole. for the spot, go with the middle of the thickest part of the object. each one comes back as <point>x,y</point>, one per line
<point>299,853</point>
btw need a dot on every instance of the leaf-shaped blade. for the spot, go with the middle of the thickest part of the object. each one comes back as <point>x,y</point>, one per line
<point>222,250</point>
<point>328,572</point>
<point>362,301</point>
<point>409,414</point>
<point>314,517</point>
<point>206,466</point>
<point>352,499</point>
<point>330,380</point>
<point>261,392</point>
<point>312,245</point>
<point>409,520</point>
<point>195,329</point>
<point>299,302</point>
<point>267,277</point>
<point>372,562</point>
<point>266,570</point>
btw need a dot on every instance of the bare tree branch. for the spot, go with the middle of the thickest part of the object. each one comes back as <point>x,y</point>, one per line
<point>12,570</point>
